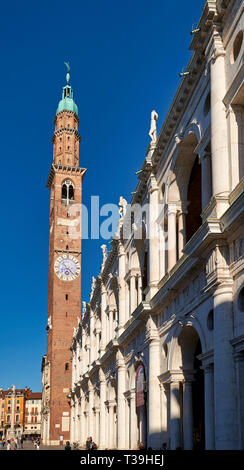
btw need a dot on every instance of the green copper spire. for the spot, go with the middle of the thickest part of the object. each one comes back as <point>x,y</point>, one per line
<point>67,103</point>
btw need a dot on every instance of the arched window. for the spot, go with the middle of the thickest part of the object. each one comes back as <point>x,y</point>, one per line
<point>67,192</point>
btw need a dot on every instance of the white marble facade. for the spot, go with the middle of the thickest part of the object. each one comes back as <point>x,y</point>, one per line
<point>174,302</point>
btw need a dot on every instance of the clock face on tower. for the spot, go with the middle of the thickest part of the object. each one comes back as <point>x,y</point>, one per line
<point>67,267</point>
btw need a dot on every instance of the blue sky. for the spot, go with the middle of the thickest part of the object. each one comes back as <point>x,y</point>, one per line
<point>125,60</point>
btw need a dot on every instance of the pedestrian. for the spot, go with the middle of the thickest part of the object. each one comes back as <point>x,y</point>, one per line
<point>8,445</point>
<point>88,443</point>
<point>94,446</point>
<point>38,444</point>
<point>12,444</point>
<point>141,446</point>
<point>164,446</point>
<point>68,446</point>
<point>21,442</point>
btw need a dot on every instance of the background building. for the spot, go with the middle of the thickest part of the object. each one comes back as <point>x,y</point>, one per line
<point>14,405</point>
<point>158,355</point>
<point>33,405</point>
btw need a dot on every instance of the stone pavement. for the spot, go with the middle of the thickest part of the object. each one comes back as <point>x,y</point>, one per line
<point>29,446</point>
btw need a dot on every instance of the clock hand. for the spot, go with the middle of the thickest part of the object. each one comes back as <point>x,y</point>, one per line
<point>68,268</point>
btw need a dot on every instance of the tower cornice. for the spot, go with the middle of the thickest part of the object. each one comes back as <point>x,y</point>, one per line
<point>63,169</point>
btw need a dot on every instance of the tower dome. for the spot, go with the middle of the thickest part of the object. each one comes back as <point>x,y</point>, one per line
<point>67,102</point>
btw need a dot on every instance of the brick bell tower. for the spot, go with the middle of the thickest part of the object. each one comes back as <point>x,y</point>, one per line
<point>64,282</point>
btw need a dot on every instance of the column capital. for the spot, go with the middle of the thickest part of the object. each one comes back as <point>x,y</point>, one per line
<point>152,184</point>
<point>102,377</point>
<point>172,208</point>
<point>120,361</point>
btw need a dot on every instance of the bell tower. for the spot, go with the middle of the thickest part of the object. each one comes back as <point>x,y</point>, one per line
<point>64,281</point>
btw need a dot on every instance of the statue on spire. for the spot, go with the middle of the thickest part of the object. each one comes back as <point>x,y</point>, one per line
<point>67,74</point>
<point>153,128</point>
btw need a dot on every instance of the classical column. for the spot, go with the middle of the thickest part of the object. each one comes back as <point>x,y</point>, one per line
<point>122,288</point>
<point>206,177</point>
<point>121,399</point>
<point>103,318</point>
<point>132,293</point>
<point>239,363</point>
<point>219,132</point>
<point>187,414</point>
<point>91,405</point>
<point>133,420</point>
<point>98,331</point>
<point>209,407</point>
<point>97,424</point>
<point>154,431</point>
<point>181,231</point>
<point>82,421</point>
<point>72,423</point>
<point>224,374</point>
<point>153,236</point>
<point>171,236</point>
<point>102,423</point>
<point>83,368</point>
<point>127,424</point>
<point>175,414</point>
<point>111,424</point>
<point>111,324</point>
<point>127,302</point>
<point>164,412</point>
<point>139,286</point>
<point>92,342</point>
<point>236,126</point>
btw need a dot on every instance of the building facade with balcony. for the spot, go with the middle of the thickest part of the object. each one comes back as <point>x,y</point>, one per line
<point>158,356</point>
<point>33,405</point>
<point>16,408</point>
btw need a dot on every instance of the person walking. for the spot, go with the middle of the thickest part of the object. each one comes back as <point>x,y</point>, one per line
<point>12,444</point>
<point>8,445</point>
<point>68,446</point>
<point>21,442</point>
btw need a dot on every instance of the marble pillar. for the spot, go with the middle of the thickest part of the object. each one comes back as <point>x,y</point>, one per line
<point>175,415</point>
<point>121,400</point>
<point>224,375</point>
<point>133,420</point>
<point>154,431</point>
<point>209,407</point>
<point>153,236</point>
<point>122,289</point>
<point>102,424</point>
<point>103,318</point>
<point>187,415</point>
<point>239,363</point>
<point>172,255</point>
<point>219,139</point>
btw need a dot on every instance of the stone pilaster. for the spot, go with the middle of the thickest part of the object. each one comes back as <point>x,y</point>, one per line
<point>121,399</point>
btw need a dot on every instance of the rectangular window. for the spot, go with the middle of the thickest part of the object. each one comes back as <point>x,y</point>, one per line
<point>8,418</point>
<point>17,419</point>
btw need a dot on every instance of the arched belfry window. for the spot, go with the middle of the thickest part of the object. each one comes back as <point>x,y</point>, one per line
<point>67,192</point>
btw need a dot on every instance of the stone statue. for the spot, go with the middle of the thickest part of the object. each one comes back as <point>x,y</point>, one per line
<point>104,250</point>
<point>93,283</point>
<point>83,307</point>
<point>153,128</point>
<point>122,206</point>
<point>68,70</point>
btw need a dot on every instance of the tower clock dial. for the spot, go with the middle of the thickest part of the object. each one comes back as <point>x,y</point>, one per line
<point>67,267</point>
